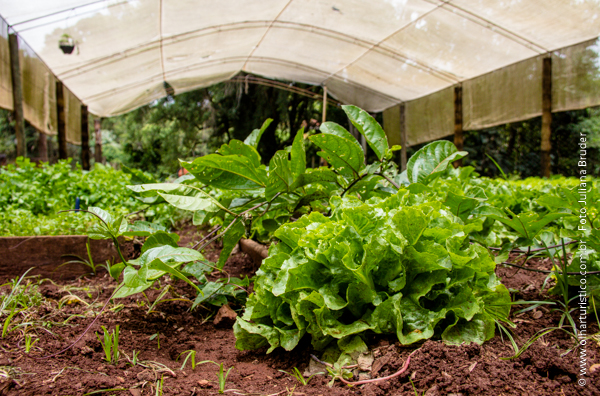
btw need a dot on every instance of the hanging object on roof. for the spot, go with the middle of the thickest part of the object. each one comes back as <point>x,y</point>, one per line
<point>66,44</point>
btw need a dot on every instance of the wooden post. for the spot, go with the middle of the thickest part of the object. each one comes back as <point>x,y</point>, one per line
<point>324,104</point>
<point>98,132</point>
<point>62,123</point>
<point>458,121</point>
<point>546,116</point>
<point>85,139</point>
<point>17,89</point>
<point>42,147</point>
<point>403,139</point>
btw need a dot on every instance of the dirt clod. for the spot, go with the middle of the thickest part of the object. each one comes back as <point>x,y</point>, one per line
<point>225,317</point>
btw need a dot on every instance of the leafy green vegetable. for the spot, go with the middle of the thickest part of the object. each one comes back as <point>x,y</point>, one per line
<point>388,266</point>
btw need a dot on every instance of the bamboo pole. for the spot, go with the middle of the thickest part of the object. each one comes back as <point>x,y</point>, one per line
<point>458,122</point>
<point>17,89</point>
<point>85,139</point>
<point>61,124</point>
<point>98,132</point>
<point>546,116</point>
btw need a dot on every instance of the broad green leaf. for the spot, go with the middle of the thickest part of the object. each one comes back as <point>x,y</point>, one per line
<point>317,175</point>
<point>209,290</point>
<point>198,270</point>
<point>138,176</point>
<point>343,154</point>
<point>126,291</point>
<point>157,264</point>
<point>280,175</point>
<point>158,239</point>
<point>181,196</point>
<point>191,203</point>
<point>116,269</point>
<point>298,155</point>
<point>167,254</point>
<point>254,138</point>
<point>143,228</point>
<point>428,163</point>
<point>103,214</point>
<point>528,225</point>
<point>231,172</point>
<point>235,147</point>
<point>369,128</point>
<point>318,195</point>
<point>230,239</point>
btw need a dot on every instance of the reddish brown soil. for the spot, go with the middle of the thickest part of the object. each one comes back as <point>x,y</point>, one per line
<point>435,369</point>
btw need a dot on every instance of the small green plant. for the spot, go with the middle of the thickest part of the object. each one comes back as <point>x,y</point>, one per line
<point>191,354</point>
<point>79,260</point>
<point>159,386</point>
<point>157,336</point>
<point>110,344</point>
<point>299,377</point>
<point>221,375</point>
<point>29,342</point>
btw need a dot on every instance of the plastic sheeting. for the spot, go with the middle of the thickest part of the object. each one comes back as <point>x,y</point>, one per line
<point>373,54</point>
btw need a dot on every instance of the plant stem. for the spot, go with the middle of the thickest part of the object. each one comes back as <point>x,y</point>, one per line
<point>388,179</point>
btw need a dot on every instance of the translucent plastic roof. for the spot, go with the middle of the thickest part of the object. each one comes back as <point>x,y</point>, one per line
<point>374,54</point>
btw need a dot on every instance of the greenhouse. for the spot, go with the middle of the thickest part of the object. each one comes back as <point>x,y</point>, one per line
<point>293,197</point>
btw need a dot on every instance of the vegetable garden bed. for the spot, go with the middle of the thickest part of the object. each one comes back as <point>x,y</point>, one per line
<point>377,282</point>
<point>159,338</point>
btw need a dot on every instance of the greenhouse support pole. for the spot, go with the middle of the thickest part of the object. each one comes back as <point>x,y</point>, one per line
<point>403,137</point>
<point>17,89</point>
<point>42,147</point>
<point>98,132</point>
<point>85,139</point>
<point>458,121</point>
<point>546,116</point>
<point>61,121</point>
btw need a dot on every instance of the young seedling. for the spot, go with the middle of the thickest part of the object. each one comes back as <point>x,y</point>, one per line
<point>159,386</point>
<point>29,342</point>
<point>221,375</point>
<point>157,336</point>
<point>299,377</point>
<point>110,344</point>
<point>79,260</point>
<point>190,354</point>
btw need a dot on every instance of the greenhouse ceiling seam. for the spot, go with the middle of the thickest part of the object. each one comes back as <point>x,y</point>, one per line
<point>509,34</point>
<point>385,39</point>
<point>265,34</point>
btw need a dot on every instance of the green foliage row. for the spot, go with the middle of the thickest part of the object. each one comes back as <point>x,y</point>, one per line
<point>31,197</point>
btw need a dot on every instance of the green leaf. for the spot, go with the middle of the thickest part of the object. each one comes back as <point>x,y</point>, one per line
<point>528,225</point>
<point>116,269</point>
<point>181,196</point>
<point>343,154</point>
<point>137,176</point>
<point>280,175</point>
<point>298,155</point>
<point>235,147</point>
<point>369,128</point>
<point>254,137</point>
<point>167,253</point>
<point>317,175</point>
<point>157,264</point>
<point>158,239</point>
<point>428,163</point>
<point>231,172</point>
<point>230,239</point>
